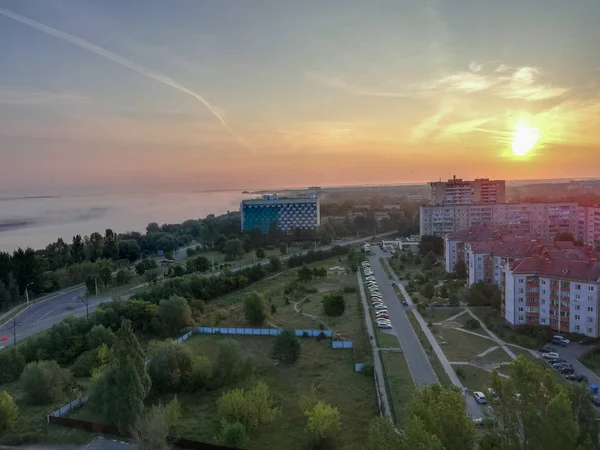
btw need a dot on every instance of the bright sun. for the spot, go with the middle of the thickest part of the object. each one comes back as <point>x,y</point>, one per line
<point>524,139</point>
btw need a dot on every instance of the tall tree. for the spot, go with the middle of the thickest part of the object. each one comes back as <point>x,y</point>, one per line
<point>58,254</point>
<point>95,246</point>
<point>28,269</point>
<point>110,250</point>
<point>77,249</point>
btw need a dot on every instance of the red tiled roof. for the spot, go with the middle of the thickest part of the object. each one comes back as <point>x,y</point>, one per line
<point>587,271</point>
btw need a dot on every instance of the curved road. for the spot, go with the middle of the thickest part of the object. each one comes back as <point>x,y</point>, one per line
<point>45,313</point>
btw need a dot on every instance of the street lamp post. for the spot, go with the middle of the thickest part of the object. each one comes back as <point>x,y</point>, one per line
<point>27,291</point>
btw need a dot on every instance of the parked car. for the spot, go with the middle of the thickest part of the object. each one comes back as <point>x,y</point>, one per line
<point>576,377</point>
<point>559,342</point>
<point>380,306</point>
<point>561,339</point>
<point>566,371</point>
<point>561,364</point>
<point>551,355</point>
<point>480,397</point>
<point>545,349</point>
<point>384,326</point>
<point>596,401</point>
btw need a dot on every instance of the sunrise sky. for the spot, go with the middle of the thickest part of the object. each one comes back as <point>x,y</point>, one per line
<point>247,94</point>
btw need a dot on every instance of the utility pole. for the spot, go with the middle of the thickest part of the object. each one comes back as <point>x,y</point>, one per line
<point>96,285</point>
<point>13,327</point>
<point>85,300</point>
<point>27,291</point>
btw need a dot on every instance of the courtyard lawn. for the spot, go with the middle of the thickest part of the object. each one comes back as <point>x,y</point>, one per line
<point>460,346</point>
<point>474,378</point>
<point>592,361</point>
<point>400,384</point>
<point>440,314</point>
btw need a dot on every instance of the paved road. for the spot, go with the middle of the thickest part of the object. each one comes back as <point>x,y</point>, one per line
<point>42,315</point>
<point>416,358</point>
<point>473,408</point>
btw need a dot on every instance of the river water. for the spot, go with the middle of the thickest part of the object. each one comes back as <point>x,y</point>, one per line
<point>36,221</point>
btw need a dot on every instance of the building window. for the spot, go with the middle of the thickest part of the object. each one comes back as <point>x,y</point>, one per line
<point>520,309</point>
<point>590,309</point>
<point>577,307</point>
<point>544,282</point>
<point>543,302</point>
<point>543,320</point>
<point>577,297</point>
<point>521,291</point>
<point>590,298</point>
<point>577,317</point>
<point>577,327</point>
<point>589,330</point>
<point>521,300</point>
<point>578,286</point>
<point>590,320</point>
<point>543,291</point>
<point>520,319</point>
<point>543,310</point>
<point>520,280</point>
<point>591,288</point>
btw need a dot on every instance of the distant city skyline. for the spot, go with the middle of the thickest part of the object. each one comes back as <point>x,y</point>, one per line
<point>265,94</point>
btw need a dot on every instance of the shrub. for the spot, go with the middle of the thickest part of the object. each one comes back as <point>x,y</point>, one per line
<point>231,364</point>
<point>44,382</point>
<point>334,304</point>
<point>174,313</point>
<point>471,324</point>
<point>233,434</point>
<point>123,276</point>
<point>368,370</point>
<point>8,412</point>
<point>100,335</point>
<point>200,374</point>
<point>12,363</point>
<point>273,309</point>
<point>85,364</point>
<point>169,367</point>
<point>349,289</point>
<point>173,412</point>
<point>322,421</point>
<point>286,347</point>
<point>151,430</point>
<point>275,263</point>
<point>250,408</point>
<point>197,305</point>
<point>255,308</point>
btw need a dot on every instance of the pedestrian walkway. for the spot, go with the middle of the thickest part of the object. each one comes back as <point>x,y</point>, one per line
<point>499,341</point>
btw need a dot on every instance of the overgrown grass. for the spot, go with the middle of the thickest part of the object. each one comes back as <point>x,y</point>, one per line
<point>332,370</point>
<point>592,361</point>
<point>439,370</point>
<point>440,314</point>
<point>400,382</point>
<point>32,426</point>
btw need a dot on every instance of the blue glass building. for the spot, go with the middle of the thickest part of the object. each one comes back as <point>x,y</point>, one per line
<point>286,213</point>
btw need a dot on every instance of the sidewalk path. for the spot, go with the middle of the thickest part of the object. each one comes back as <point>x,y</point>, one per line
<point>499,341</point>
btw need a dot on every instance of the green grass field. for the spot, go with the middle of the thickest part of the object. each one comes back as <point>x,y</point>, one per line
<point>440,314</point>
<point>32,426</point>
<point>331,369</point>
<point>474,378</point>
<point>460,346</point>
<point>400,383</point>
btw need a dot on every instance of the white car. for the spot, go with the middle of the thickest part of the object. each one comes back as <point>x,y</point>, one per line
<point>480,397</point>
<point>551,355</point>
<point>384,326</point>
<point>380,306</point>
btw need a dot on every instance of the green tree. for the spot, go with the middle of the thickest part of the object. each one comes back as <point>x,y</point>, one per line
<point>428,290</point>
<point>440,411</point>
<point>304,274</point>
<point>145,265</point>
<point>95,246</point>
<point>105,275</point>
<point>123,276</point>
<point>286,347</point>
<point>231,364</point>
<point>275,264</point>
<point>233,249</point>
<point>200,264</point>
<point>460,269</point>
<point>200,375</point>
<point>250,408</point>
<point>174,313</point>
<point>170,367</point>
<point>99,335</point>
<point>120,391</point>
<point>44,382</point>
<point>12,363</point>
<point>444,291</point>
<point>322,421</point>
<point>255,308</point>
<point>77,249</point>
<point>178,271</point>
<point>8,412</point>
<point>383,436</point>
<point>110,250</point>
<point>129,249</point>
<point>151,430</point>
<point>260,253</point>
<point>334,304</point>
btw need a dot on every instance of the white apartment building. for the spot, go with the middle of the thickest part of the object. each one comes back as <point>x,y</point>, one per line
<point>589,224</point>
<point>545,219</point>
<point>561,294</point>
<point>463,192</point>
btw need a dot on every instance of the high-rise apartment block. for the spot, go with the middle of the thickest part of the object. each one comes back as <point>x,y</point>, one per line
<point>461,192</point>
<point>285,214</point>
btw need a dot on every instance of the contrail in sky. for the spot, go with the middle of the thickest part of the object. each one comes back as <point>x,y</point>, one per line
<point>123,62</point>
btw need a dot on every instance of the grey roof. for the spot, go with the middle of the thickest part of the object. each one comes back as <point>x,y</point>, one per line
<point>101,443</point>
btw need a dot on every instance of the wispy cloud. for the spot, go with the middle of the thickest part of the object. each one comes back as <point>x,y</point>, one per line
<point>126,63</point>
<point>41,98</point>
<point>428,126</point>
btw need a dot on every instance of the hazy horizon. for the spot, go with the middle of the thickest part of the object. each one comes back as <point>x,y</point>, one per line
<point>243,95</point>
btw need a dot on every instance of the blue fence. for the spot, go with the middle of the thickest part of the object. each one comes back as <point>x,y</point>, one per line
<point>261,331</point>
<point>341,344</point>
